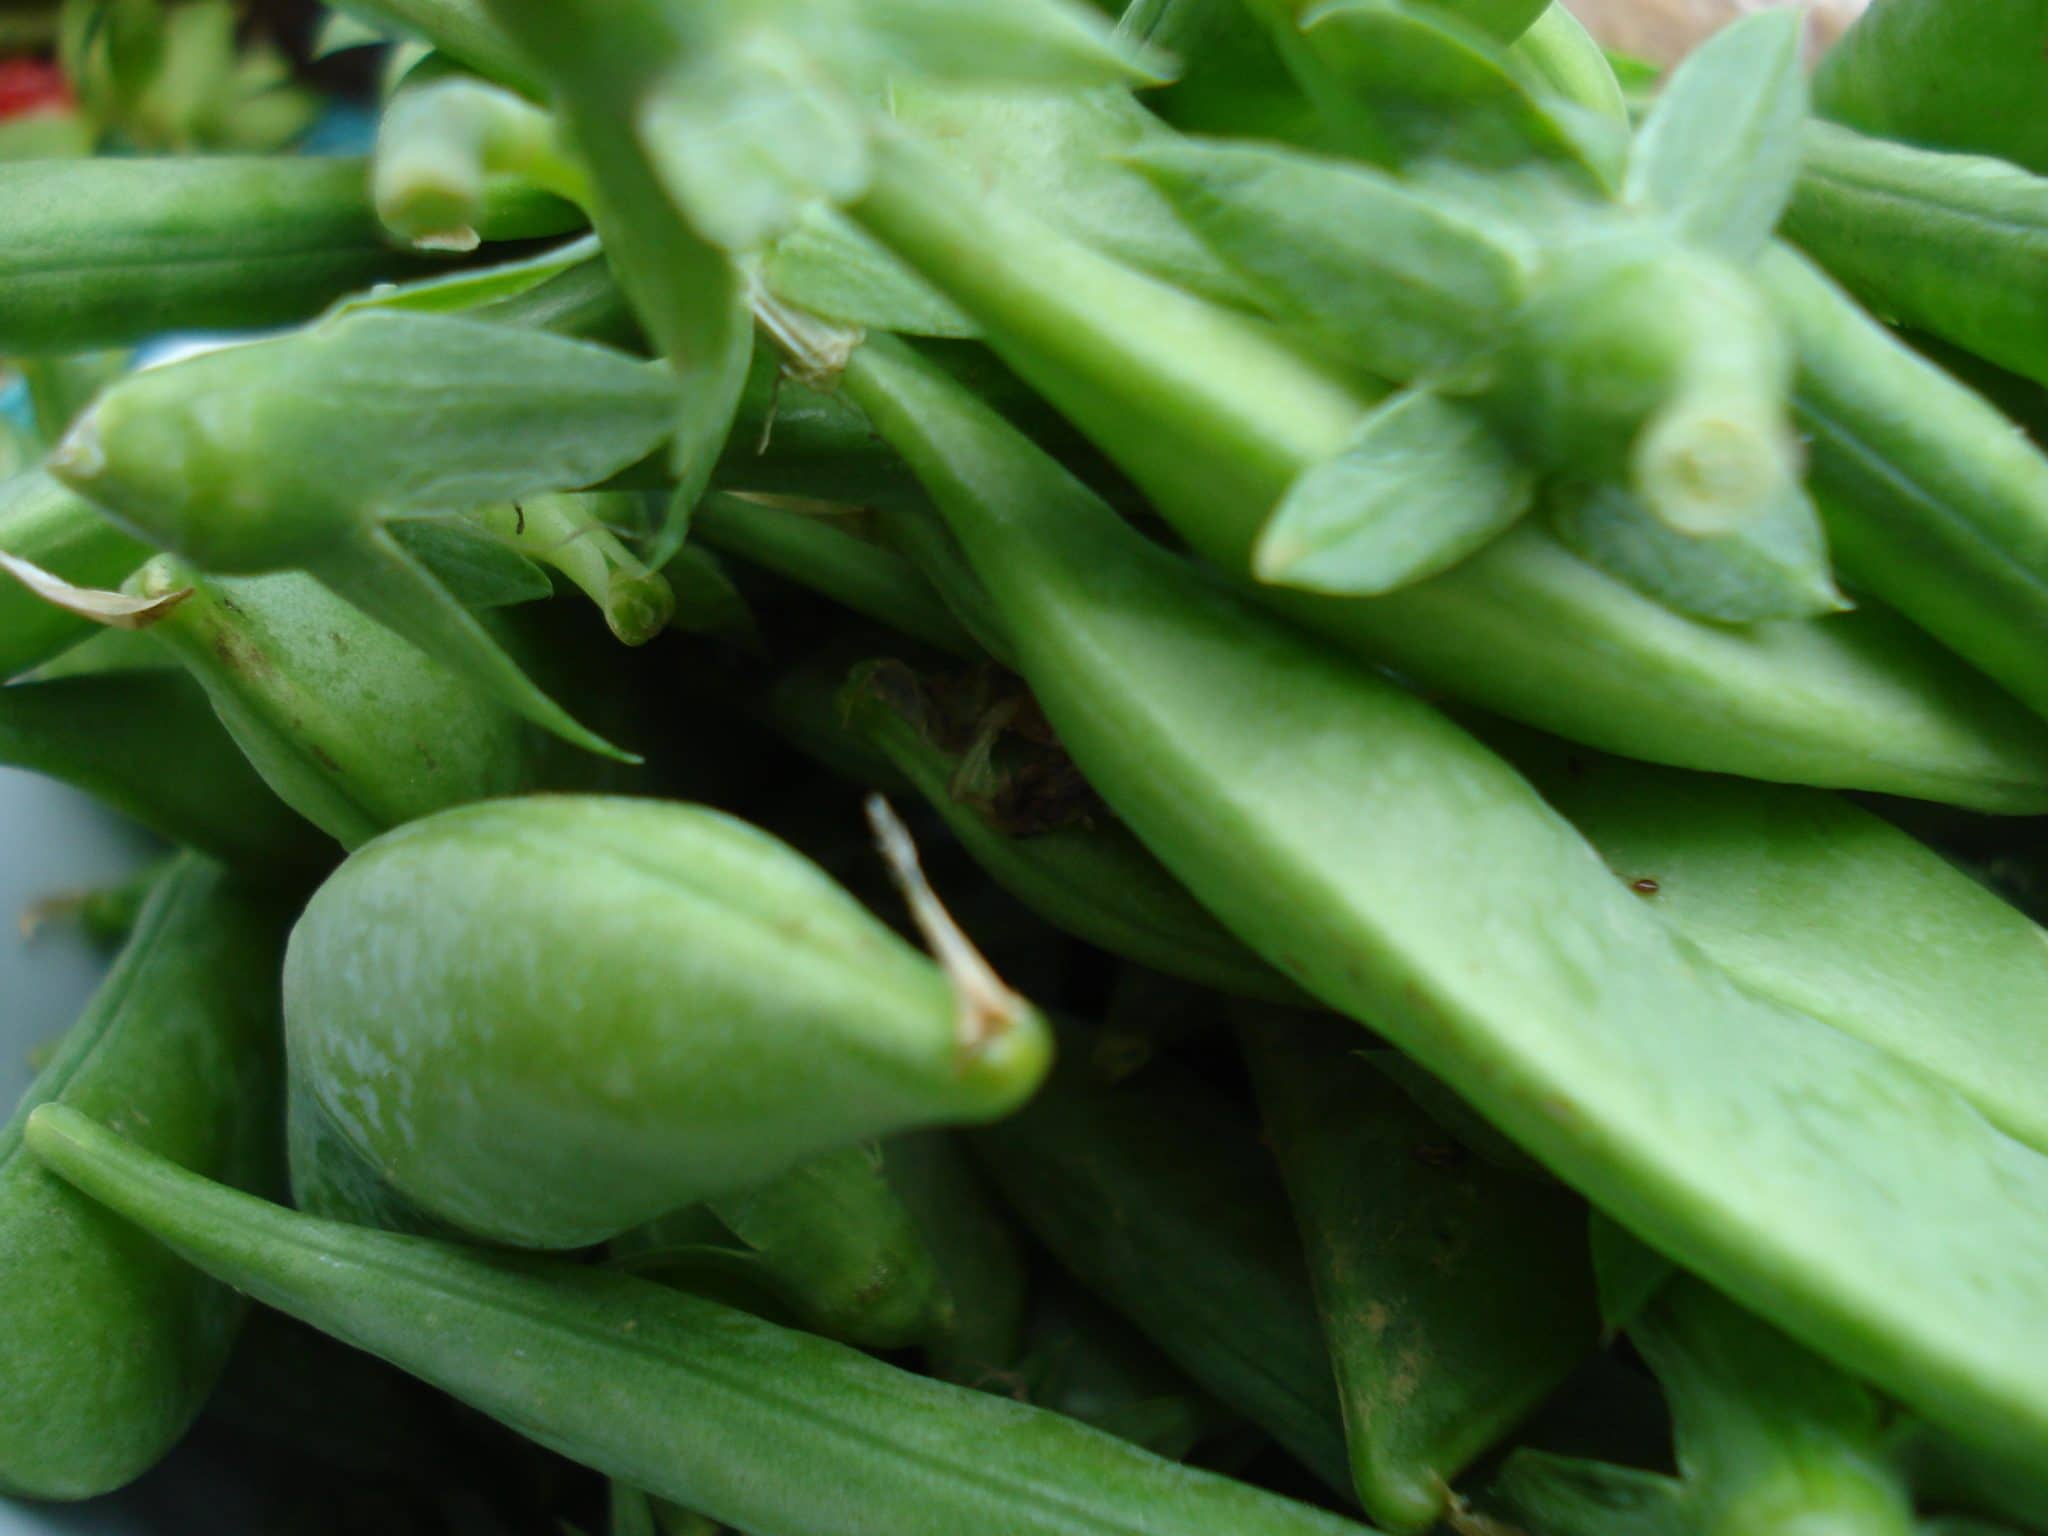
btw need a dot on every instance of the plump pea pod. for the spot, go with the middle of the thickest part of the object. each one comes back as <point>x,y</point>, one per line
<point>1455,1297</point>
<point>294,453</point>
<point>332,1180</point>
<point>978,1325</point>
<point>1215,418</point>
<point>105,252</point>
<point>1081,871</point>
<point>1894,73</point>
<point>1756,1145</point>
<point>842,1247</point>
<point>1159,1199</point>
<point>147,744</point>
<point>110,1346</point>
<point>352,727</point>
<point>1809,899</point>
<point>57,531</point>
<point>777,1433</point>
<point>1897,226</point>
<point>753,1015</point>
<point>1933,500</point>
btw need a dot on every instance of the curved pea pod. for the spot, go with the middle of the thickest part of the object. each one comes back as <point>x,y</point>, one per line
<point>293,454</point>
<point>147,744</point>
<point>1893,74</point>
<point>59,532</point>
<point>1933,500</point>
<point>1754,1144</point>
<point>1897,224</point>
<point>105,252</point>
<point>754,1425</point>
<point>1030,823</point>
<point>351,726</point>
<point>756,1016</point>
<point>1812,900</point>
<point>1158,1198</point>
<point>110,1345</point>
<point>1455,1297</point>
<point>1215,417</point>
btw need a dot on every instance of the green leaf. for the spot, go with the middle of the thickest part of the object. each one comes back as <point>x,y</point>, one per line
<point>1560,1496</point>
<point>1627,1273</point>
<point>1406,285</point>
<point>1422,484</point>
<point>1720,151</point>
<point>1774,565</point>
<point>478,569</point>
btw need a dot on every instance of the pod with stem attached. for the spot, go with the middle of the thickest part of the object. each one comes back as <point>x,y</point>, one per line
<point>772,1431</point>
<point>1644,1077</point>
<point>297,453</point>
<point>111,1345</point>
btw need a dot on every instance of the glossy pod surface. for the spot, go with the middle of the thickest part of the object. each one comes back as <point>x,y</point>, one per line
<point>722,1012</point>
<point>109,1345</point>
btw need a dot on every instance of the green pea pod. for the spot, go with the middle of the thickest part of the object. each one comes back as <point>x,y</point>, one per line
<point>977,1328</point>
<point>147,744</point>
<point>1754,1144</point>
<point>1893,74</point>
<point>47,525</point>
<point>1215,418</point>
<point>107,252</point>
<point>1075,867</point>
<point>333,1181</point>
<point>290,454</point>
<point>1159,1199</point>
<point>1919,959</point>
<point>110,1345</point>
<point>842,1246</point>
<point>1896,224</point>
<point>1561,1496</point>
<point>1455,1297</point>
<point>352,727</point>
<point>759,1016</point>
<point>772,1431</point>
<point>1933,501</point>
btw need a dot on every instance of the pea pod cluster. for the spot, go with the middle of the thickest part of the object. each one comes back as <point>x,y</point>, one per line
<point>1244,769</point>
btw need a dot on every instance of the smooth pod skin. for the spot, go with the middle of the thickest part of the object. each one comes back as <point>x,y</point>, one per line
<point>1951,244</point>
<point>1455,1296</point>
<point>1215,418</point>
<point>48,525</point>
<point>1932,498</point>
<point>1158,1198</point>
<point>109,251</point>
<point>109,1345</point>
<point>774,1432</point>
<point>548,1020</point>
<point>1405,875</point>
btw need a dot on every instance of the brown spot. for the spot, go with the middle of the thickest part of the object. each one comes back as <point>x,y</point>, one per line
<point>326,761</point>
<point>1643,885</point>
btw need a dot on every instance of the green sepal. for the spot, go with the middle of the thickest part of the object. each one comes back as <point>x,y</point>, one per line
<point>1772,566</point>
<point>1423,483</point>
<point>830,266</point>
<point>1719,153</point>
<point>714,376</point>
<point>1562,1496</point>
<point>375,574</point>
<point>1503,19</point>
<point>473,288</point>
<point>1041,43</point>
<point>1559,61</point>
<point>1627,1273</point>
<point>1404,283</point>
<point>478,569</point>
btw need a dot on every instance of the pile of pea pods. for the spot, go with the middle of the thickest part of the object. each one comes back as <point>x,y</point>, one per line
<point>980,768</point>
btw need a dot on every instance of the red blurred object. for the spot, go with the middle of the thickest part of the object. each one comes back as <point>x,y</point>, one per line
<point>32,85</point>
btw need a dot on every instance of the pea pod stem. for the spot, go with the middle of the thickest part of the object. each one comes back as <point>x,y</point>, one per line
<point>776,1432</point>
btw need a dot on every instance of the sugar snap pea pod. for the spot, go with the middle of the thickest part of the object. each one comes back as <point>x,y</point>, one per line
<point>52,528</point>
<point>2021,400</point>
<point>866,576</point>
<point>757,1015</point>
<point>292,453</point>
<point>977,1328</point>
<point>1454,1297</point>
<point>1158,1198</point>
<point>332,1180</point>
<point>147,744</point>
<point>1893,74</point>
<point>108,1346</point>
<point>1030,824</point>
<point>1754,1144</point>
<point>1215,418</point>
<point>1897,224</point>
<point>1933,500</point>
<point>105,252</point>
<point>775,1432</point>
<point>352,727</point>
